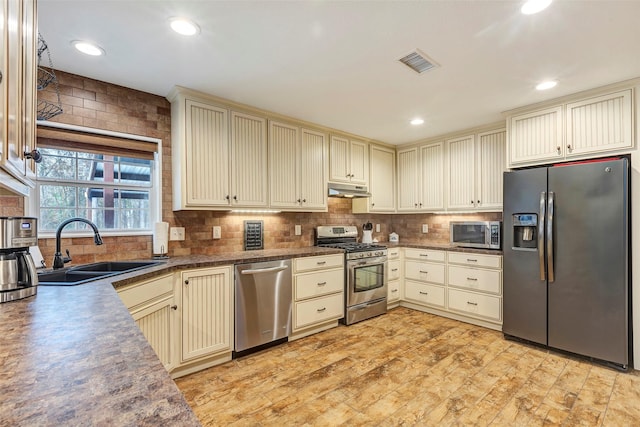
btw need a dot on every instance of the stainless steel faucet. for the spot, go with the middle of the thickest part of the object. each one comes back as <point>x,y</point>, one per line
<point>58,260</point>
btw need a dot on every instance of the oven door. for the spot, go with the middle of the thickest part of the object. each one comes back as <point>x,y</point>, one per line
<point>366,280</point>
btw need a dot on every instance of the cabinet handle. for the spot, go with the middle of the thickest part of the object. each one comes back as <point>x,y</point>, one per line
<point>473,279</point>
<point>322,283</point>
<point>186,282</point>
<point>472,303</point>
<point>321,262</point>
<point>320,310</point>
<point>0,76</point>
<point>394,290</point>
<point>174,307</point>
<point>558,149</point>
<point>424,293</point>
<point>471,260</point>
<point>424,255</point>
<point>394,269</point>
<point>425,272</point>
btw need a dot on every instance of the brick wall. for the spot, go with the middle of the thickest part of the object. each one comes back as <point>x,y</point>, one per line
<point>95,104</point>
<point>10,204</point>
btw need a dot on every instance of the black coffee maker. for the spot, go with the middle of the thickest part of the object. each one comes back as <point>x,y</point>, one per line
<point>18,275</point>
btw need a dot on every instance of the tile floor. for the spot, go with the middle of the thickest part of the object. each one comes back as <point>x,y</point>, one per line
<point>411,368</point>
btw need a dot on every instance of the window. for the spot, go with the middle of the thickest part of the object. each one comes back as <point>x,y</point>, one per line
<point>120,194</point>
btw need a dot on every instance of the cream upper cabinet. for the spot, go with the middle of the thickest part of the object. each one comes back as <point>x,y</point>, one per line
<point>536,136</point>
<point>382,182</point>
<point>18,92</point>
<point>588,127</point>
<point>600,124</point>
<point>249,176</point>
<point>205,180</point>
<point>490,154</point>
<point>462,172</point>
<point>421,178</point>
<point>408,179</point>
<point>349,160</point>
<point>297,161</point>
<point>432,177</point>
<point>475,166</point>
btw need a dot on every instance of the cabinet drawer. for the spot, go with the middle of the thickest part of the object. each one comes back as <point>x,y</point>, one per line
<point>394,269</point>
<point>486,306</point>
<point>393,291</point>
<point>145,291</point>
<point>424,294</point>
<point>318,283</point>
<point>475,279</point>
<point>424,272</point>
<point>318,262</point>
<point>425,254</point>
<point>393,253</point>
<point>318,310</point>
<point>476,260</point>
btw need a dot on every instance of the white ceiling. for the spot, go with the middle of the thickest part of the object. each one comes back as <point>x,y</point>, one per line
<point>335,62</point>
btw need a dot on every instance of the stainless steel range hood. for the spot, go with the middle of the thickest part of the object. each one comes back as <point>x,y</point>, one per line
<point>348,190</point>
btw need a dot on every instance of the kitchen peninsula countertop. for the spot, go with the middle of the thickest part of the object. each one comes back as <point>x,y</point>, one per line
<point>72,355</point>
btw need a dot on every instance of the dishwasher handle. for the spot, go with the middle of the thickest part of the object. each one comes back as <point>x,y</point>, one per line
<point>265,270</point>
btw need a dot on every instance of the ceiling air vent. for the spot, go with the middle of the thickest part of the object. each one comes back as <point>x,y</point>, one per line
<point>418,61</point>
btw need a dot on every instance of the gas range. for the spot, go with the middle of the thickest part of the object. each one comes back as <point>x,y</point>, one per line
<point>346,238</point>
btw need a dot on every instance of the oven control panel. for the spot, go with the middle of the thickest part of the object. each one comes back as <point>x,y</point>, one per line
<point>366,254</point>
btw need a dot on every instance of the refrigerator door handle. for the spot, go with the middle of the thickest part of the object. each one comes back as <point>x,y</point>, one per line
<point>550,237</point>
<point>541,220</point>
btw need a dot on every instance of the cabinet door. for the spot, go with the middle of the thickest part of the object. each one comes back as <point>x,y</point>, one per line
<point>408,175</point>
<point>432,177</point>
<point>339,160</point>
<point>249,180</point>
<point>28,44</point>
<point>536,136</point>
<point>599,124</point>
<point>313,170</point>
<point>284,151</point>
<point>359,162</point>
<point>207,312</point>
<point>383,183</point>
<point>206,155</point>
<point>490,167</point>
<point>461,176</point>
<point>157,324</point>
<point>4,100</point>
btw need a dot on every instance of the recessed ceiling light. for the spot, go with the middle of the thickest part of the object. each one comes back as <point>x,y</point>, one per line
<point>546,85</point>
<point>534,6</point>
<point>88,48</point>
<point>416,122</point>
<point>184,26</point>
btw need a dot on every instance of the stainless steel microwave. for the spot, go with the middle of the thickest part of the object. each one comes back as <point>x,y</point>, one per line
<point>476,234</point>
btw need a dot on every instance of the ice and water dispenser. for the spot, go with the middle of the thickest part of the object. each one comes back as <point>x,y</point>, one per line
<point>525,231</point>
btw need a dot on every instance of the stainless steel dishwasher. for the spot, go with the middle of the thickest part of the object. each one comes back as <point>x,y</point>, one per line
<point>263,304</point>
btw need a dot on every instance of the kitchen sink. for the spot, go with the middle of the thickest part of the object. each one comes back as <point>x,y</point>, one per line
<point>89,272</point>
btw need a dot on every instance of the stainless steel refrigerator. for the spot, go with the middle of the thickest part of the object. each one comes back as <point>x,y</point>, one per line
<point>566,258</point>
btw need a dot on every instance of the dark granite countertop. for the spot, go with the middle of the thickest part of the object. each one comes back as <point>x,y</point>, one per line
<point>441,246</point>
<point>72,355</point>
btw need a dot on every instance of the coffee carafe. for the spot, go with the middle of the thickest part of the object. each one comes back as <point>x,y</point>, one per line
<point>18,275</point>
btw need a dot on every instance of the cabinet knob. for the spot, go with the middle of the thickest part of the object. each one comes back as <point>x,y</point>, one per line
<point>0,76</point>
<point>235,198</point>
<point>420,204</point>
<point>227,197</point>
<point>186,282</point>
<point>558,148</point>
<point>33,154</point>
<point>373,204</point>
<point>415,205</point>
<point>569,147</point>
<point>304,200</point>
<point>298,200</point>
<point>174,307</point>
<point>478,201</point>
<point>472,202</point>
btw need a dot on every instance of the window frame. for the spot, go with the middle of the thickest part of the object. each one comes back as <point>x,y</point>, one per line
<point>155,191</point>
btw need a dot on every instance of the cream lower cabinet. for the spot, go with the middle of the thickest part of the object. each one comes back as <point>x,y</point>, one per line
<point>475,285</point>
<point>394,274</point>
<point>206,306</point>
<point>152,306</point>
<point>318,294</point>
<point>424,277</point>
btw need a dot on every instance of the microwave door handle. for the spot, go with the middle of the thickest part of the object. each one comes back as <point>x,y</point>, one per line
<point>550,212</point>
<point>541,220</point>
